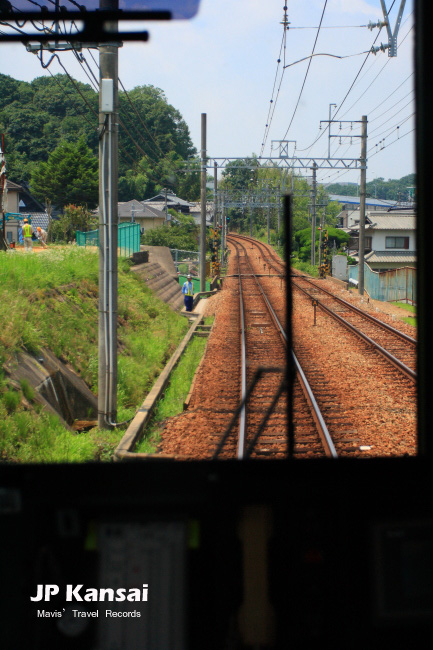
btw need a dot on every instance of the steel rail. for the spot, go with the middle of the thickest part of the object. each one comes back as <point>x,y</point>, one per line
<point>387,355</point>
<point>242,415</point>
<point>324,434</point>
<point>319,421</point>
<point>374,320</point>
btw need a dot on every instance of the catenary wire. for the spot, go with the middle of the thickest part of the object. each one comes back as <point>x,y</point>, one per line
<point>308,68</point>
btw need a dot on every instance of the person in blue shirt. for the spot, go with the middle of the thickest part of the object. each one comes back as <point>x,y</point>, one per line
<point>188,293</point>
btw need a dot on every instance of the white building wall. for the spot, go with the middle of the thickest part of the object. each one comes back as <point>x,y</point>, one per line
<point>378,238</point>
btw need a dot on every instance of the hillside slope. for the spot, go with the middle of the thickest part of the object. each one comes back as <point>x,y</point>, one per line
<point>49,301</point>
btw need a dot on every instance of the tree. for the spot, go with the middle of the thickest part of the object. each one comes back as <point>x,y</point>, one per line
<point>181,233</point>
<point>303,239</point>
<point>74,217</point>
<point>69,176</point>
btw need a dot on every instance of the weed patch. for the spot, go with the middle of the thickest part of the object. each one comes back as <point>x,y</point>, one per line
<point>51,301</point>
<point>171,403</point>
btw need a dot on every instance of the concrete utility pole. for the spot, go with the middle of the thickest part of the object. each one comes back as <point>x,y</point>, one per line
<point>203,205</point>
<point>215,195</point>
<point>313,217</point>
<point>223,230</point>
<point>279,211</point>
<point>268,196</point>
<point>3,191</point>
<point>362,192</point>
<point>108,228</point>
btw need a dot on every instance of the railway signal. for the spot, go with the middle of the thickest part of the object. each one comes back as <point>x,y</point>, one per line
<point>214,246</point>
<point>325,267</point>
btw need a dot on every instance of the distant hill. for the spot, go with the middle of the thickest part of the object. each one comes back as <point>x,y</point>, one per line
<point>379,188</point>
<point>35,117</point>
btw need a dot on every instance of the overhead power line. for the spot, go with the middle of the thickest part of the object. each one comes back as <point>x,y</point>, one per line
<point>308,69</point>
<point>335,56</point>
<point>272,103</point>
<point>348,92</point>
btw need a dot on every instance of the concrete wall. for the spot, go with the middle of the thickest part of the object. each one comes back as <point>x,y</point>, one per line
<point>146,222</point>
<point>339,267</point>
<point>161,255</point>
<point>12,201</point>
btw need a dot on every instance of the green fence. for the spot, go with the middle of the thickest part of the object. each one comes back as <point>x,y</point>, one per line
<point>128,239</point>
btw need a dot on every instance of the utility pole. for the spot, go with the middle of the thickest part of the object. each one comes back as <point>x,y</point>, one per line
<point>203,205</point>
<point>279,211</point>
<point>392,35</point>
<point>330,121</point>
<point>166,206</point>
<point>268,196</point>
<point>108,227</point>
<point>215,194</point>
<point>313,217</point>
<point>223,230</point>
<point>362,192</point>
<point>3,193</point>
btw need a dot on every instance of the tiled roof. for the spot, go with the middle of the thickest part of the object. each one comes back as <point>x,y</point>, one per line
<point>10,186</point>
<point>172,199</point>
<point>389,222</point>
<point>40,219</point>
<point>140,210</point>
<point>400,257</point>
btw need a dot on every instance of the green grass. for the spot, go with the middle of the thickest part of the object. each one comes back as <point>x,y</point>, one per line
<point>49,301</point>
<point>171,403</point>
<point>410,320</point>
<point>405,305</point>
<point>305,267</point>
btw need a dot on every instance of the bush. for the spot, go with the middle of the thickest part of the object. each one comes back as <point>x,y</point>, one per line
<point>11,399</point>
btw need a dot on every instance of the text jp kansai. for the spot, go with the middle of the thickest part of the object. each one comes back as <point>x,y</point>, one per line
<point>76,592</point>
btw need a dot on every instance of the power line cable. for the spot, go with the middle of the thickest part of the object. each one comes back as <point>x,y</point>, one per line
<point>390,95</point>
<point>308,69</point>
<point>134,108</point>
<point>271,102</point>
<point>388,120</point>
<point>390,129</point>
<point>350,89</point>
<point>335,56</point>
<point>393,106</point>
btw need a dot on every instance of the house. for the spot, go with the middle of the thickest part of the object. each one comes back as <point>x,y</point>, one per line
<point>140,212</point>
<point>195,212</point>
<point>29,204</point>
<point>349,214</point>
<point>166,197</point>
<point>15,214</point>
<point>390,240</point>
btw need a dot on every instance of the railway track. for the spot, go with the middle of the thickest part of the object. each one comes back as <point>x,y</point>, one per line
<point>397,348</point>
<point>367,405</point>
<point>262,426</point>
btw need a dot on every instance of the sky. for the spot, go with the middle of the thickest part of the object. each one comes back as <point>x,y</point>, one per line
<point>224,62</point>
